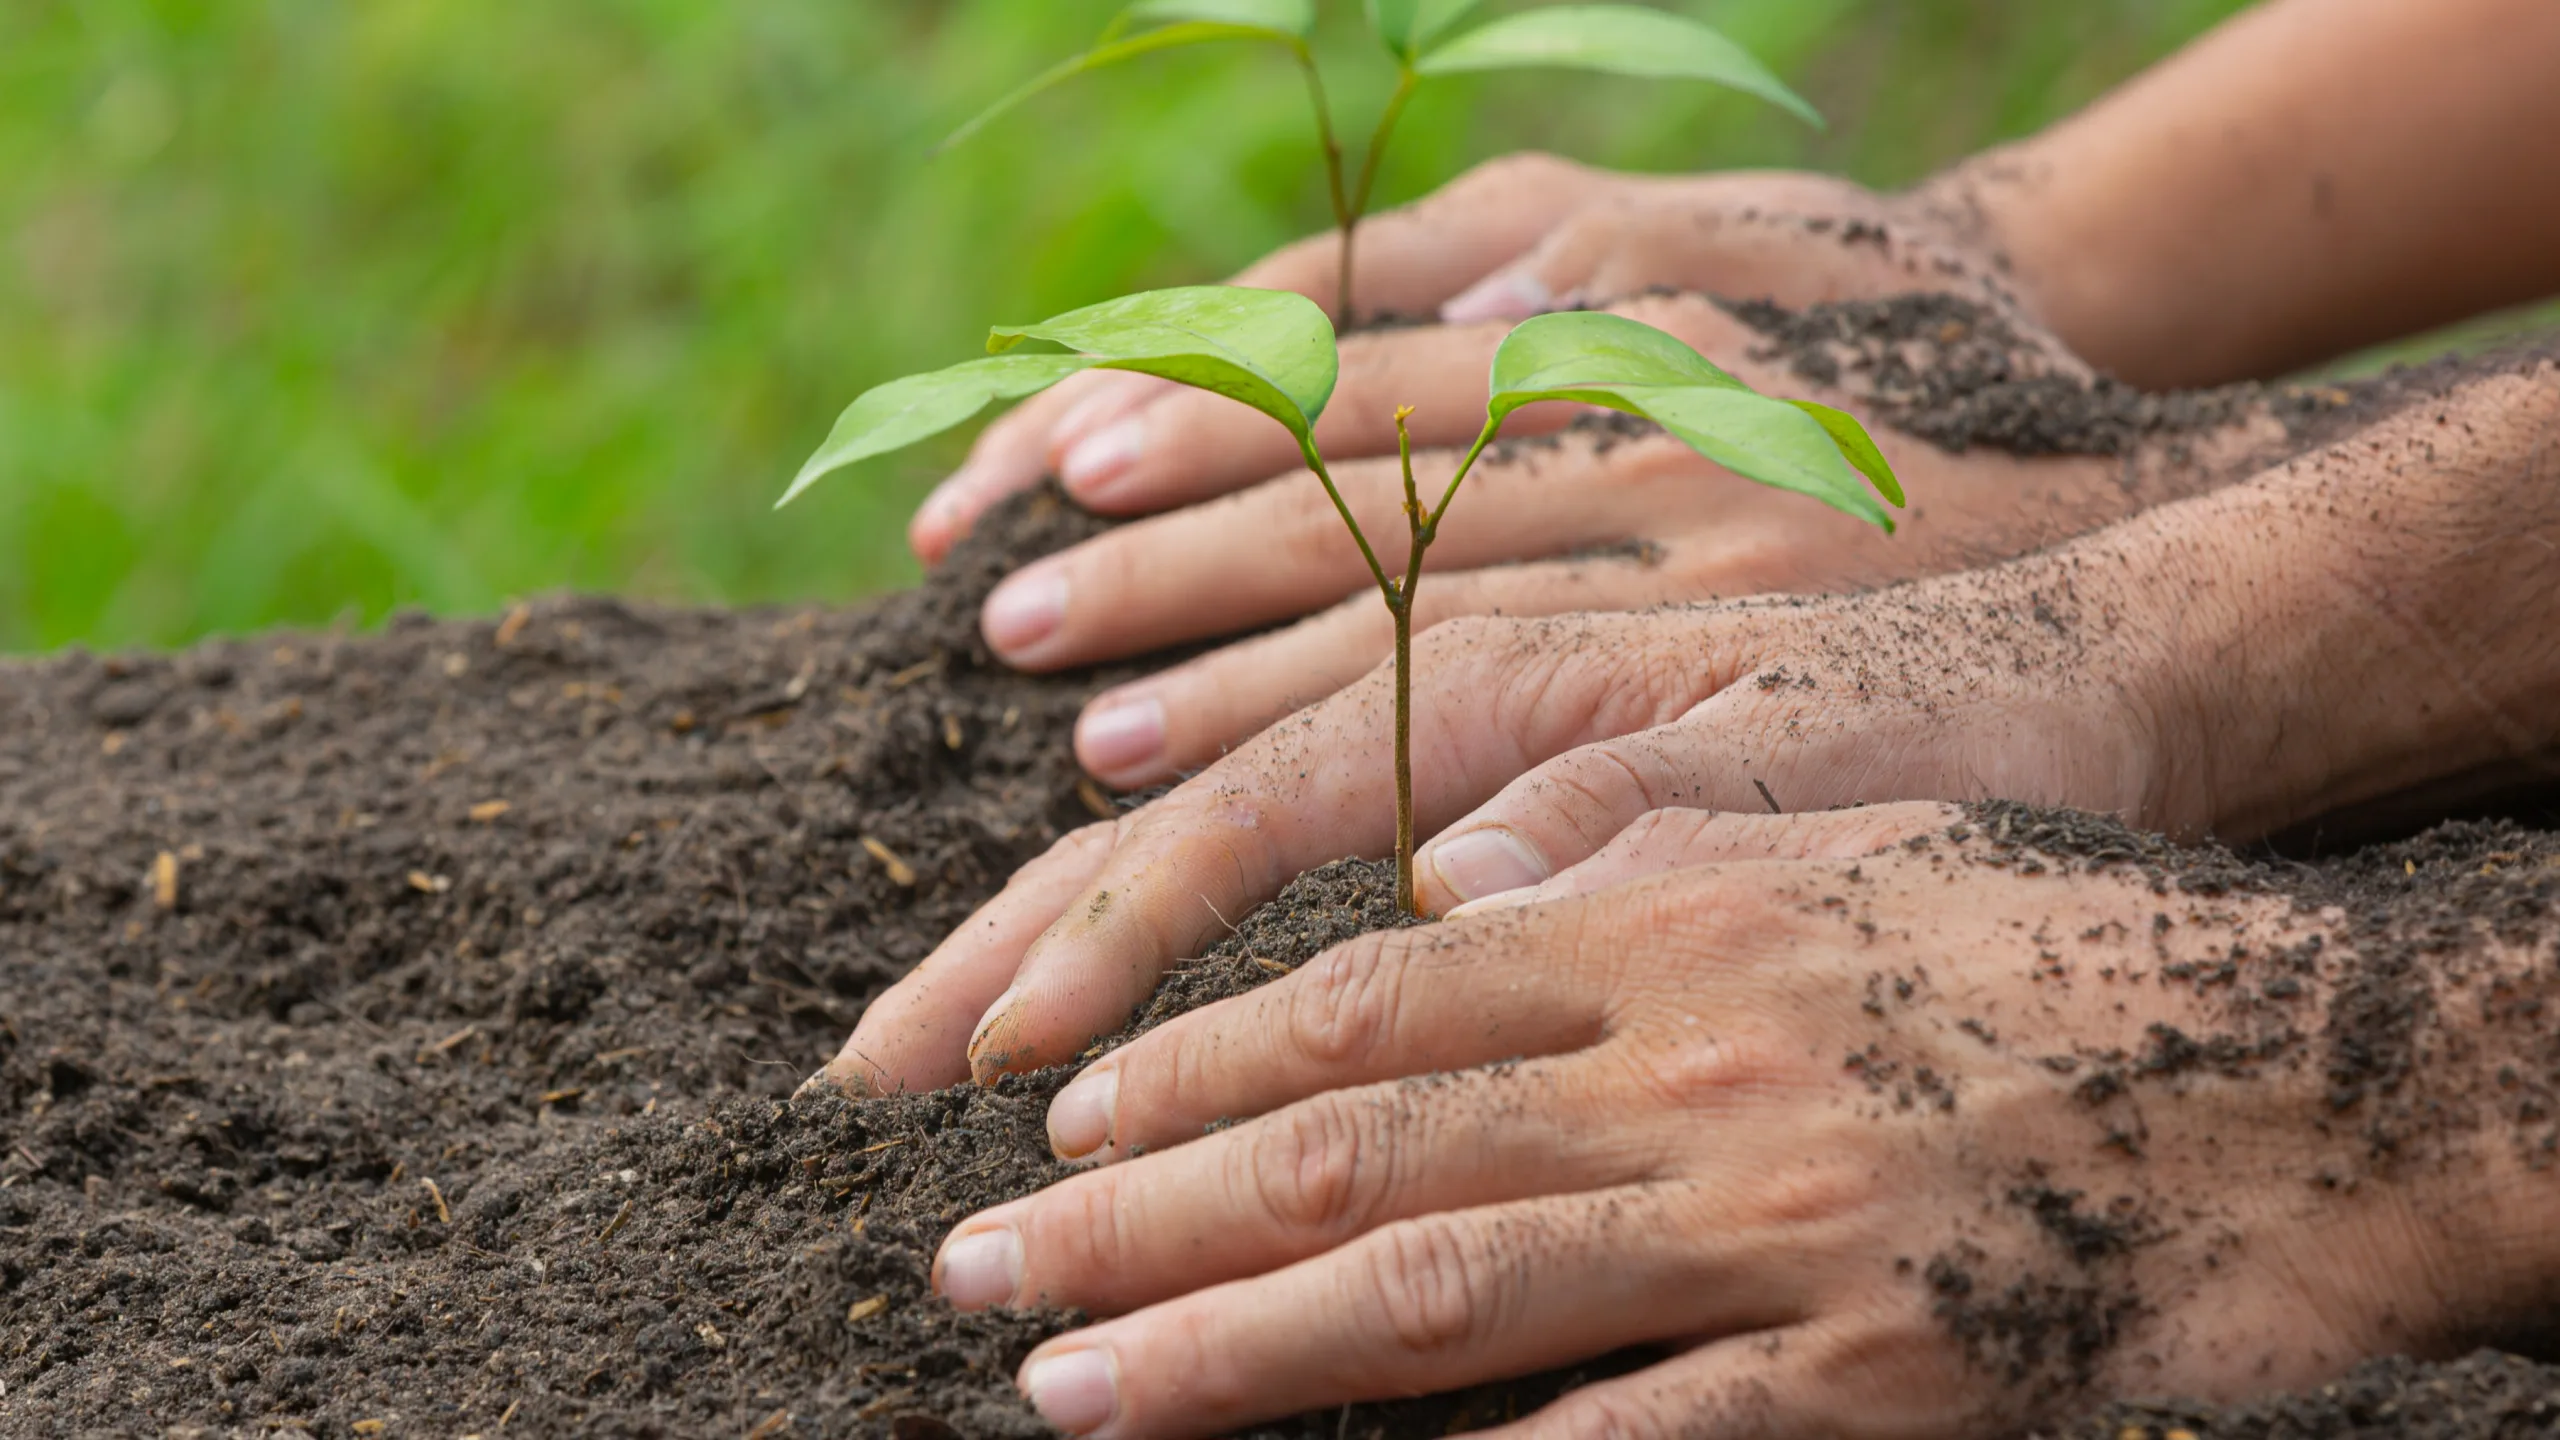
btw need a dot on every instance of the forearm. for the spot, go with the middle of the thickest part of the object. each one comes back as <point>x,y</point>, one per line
<point>2313,176</point>
<point>2371,616</point>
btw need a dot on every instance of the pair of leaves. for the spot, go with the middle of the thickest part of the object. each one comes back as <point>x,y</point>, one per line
<point>1614,39</point>
<point>1274,350</point>
<point>1270,349</point>
<point>1608,360</point>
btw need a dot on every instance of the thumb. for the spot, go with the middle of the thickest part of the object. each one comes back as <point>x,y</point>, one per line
<point>1664,840</point>
<point>1554,274</point>
<point>1492,698</point>
<point>1411,259</point>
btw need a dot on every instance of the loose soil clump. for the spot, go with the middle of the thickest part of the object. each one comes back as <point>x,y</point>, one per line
<point>401,1028</point>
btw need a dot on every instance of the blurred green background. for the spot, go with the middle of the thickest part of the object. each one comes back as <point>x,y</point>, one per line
<point>310,308</point>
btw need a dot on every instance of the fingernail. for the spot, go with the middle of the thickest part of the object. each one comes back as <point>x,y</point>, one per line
<point>987,1023</point>
<point>1512,296</point>
<point>1025,610</point>
<point>1077,1391</point>
<point>1122,736</point>
<point>1103,455</point>
<point>822,1084</point>
<point>981,1269</point>
<point>1080,1118</point>
<point>1499,900</point>
<point>1487,862</point>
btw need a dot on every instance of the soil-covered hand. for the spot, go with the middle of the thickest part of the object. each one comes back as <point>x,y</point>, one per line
<point>1556,733</point>
<point>1508,239</point>
<point>1607,516</point>
<point>2236,662</point>
<point>1944,1140</point>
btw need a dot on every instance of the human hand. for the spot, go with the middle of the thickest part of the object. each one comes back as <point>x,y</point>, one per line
<point>2046,681</point>
<point>1596,520</point>
<point>2020,1191</point>
<point>1508,239</point>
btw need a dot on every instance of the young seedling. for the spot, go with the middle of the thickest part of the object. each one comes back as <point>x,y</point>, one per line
<point>1615,39</point>
<point>1274,351</point>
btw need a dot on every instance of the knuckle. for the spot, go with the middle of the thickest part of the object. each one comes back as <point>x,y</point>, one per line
<point>1429,1288</point>
<point>1607,1413</point>
<point>1076,1232</point>
<point>1342,1006</point>
<point>1468,636</point>
<point>1711,1071</point>
<point>1309,1168</point>
<point>1659,833</point>
<point>1525,167</point>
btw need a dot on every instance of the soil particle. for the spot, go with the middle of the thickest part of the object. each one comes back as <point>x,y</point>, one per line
<point>1957,373</point>
<point>1316,912</point>
<point>2482,1394</point>
<point>397,1027</point>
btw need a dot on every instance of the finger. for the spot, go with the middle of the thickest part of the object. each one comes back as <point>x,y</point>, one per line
<point>1812,1378</point>
<point>1492,699</point>
<point>1012,453</point>
<point>1410,259</point>
<point>1565,810</point>
<point>1184,445</point>
<point>1681,237</point>
<point>1554,273</point>
<point>1276,1190</point>
<point>915,1036</point>
<point>1188,716</point>
<point>1417,1306</point>
<point>1675,839</point>
<point>1280,549</point>
<point>1383,1006</point>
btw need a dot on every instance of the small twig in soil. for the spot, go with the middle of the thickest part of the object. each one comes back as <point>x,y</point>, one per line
<point>443,1213</point>
<point>1766,797</point>
<point>917,671</point>
<point>901,874</point>
<point>1223,920</point>
<point>615,1223</point>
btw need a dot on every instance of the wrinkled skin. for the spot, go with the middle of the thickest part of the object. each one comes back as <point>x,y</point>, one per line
<point>1638,1128</point>
<point>2228,663</point>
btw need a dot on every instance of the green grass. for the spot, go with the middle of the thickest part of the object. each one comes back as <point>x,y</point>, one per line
<point>310,309</point>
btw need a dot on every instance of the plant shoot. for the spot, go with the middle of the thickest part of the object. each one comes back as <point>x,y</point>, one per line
<point>1612,39</point>
<point>1274,350</point>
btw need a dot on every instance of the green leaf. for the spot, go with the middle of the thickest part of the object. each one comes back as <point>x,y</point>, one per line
<point>1112,52</point>
<point>1856,446</point>
<point>1289,17</point>
<point>1622,364</point>
<point>1409,26</point>
<point>1575,347</point>
<point>1617,39</point>
<point>902,412</point>
<point>1271,349</point>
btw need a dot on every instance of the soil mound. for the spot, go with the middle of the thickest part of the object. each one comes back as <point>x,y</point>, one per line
<point>399,1028</point>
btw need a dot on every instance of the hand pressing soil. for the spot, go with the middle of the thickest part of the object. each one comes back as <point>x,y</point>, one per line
<point>397,1029</point>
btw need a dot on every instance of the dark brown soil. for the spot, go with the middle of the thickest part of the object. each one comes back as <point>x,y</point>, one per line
<point>399,1028</point>
<point>1956,373</point>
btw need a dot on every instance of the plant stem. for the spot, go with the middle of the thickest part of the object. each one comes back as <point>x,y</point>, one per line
<point>1492,426</point>
<point>1343,218</point>
<point>1347,217</point>
<point>1401,603</point>
<point>1377,572</point>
